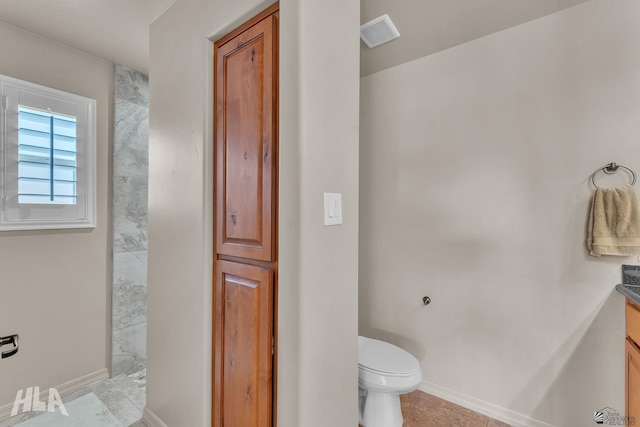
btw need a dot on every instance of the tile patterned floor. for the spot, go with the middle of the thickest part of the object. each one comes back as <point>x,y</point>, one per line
<point>124,396</point>
<point>420,409</point>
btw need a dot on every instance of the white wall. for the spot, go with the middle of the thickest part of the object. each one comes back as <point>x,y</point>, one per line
<point>54,285</point>
<point>475,166</point>
<point>328,256</point>
<point>317,302</point>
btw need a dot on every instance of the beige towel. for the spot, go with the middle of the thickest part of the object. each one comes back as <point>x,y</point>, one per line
<point>614,222</point>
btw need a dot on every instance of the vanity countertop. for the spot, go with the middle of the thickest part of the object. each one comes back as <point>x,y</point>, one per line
<point>630,291</point>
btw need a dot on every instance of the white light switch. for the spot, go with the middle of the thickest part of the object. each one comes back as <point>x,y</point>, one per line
<point>332,208</point>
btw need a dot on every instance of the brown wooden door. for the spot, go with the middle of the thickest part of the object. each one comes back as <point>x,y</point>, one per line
<point>243,340</point>
<point>246,113</point>
<point>632,383</point>
<point>245,260</point>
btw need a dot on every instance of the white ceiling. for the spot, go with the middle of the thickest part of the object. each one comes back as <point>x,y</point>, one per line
<point>118,30</point>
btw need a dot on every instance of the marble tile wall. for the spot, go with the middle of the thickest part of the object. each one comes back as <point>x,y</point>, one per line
<point>130,188</point>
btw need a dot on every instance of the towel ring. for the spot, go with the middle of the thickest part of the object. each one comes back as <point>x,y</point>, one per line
<point>610,169</point>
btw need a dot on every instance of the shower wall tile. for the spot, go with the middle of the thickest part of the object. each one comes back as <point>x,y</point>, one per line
<point>131,139</point>
<point>129,289</point>
<point>130,220</point>
<point>132,86</point>
<point>129,349</point>
<point>130,206</point>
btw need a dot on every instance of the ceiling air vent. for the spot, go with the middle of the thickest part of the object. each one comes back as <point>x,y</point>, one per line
<point>378,31</point>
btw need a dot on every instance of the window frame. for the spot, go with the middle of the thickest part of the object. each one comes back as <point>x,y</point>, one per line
<point>15,216</point>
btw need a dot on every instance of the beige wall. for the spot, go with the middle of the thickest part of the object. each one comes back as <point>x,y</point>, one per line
<point>317,303</point>
<point>328,256</point>
<point>54,285</point>
<point>475,166</point>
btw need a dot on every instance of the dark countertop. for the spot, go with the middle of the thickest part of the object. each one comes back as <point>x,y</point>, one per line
<point>630,291</point>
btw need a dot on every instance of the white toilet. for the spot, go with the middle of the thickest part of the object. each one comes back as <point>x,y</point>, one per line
<point>384,373</point>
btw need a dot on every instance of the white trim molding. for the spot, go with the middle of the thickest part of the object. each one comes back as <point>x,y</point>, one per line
<point>150,419</point>
<point>28,211</point>
<point>63,389</point>
<point>496,412</point>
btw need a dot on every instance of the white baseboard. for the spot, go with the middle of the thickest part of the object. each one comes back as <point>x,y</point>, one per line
<point>150,419</point>
<point>66,388</point>
<point>496,412</point>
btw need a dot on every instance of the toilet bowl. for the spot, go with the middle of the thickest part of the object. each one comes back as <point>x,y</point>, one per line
<point>384,373</point>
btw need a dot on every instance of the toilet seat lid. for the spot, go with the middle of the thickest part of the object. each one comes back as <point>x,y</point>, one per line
<point>380,356</point>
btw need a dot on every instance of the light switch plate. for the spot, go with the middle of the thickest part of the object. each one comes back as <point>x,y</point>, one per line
<point>332,208</point>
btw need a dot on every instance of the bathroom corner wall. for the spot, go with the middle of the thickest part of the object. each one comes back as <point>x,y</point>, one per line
<point>475,187</point>
<point>130,187</point>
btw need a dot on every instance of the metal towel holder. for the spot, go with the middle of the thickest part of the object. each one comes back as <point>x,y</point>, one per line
<point>610,169</point>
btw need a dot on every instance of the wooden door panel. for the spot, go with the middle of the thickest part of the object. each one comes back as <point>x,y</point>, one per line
<point>245,159</point>
<point>243,367</point>
<point>246,110</point>
<point>244,145</point>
